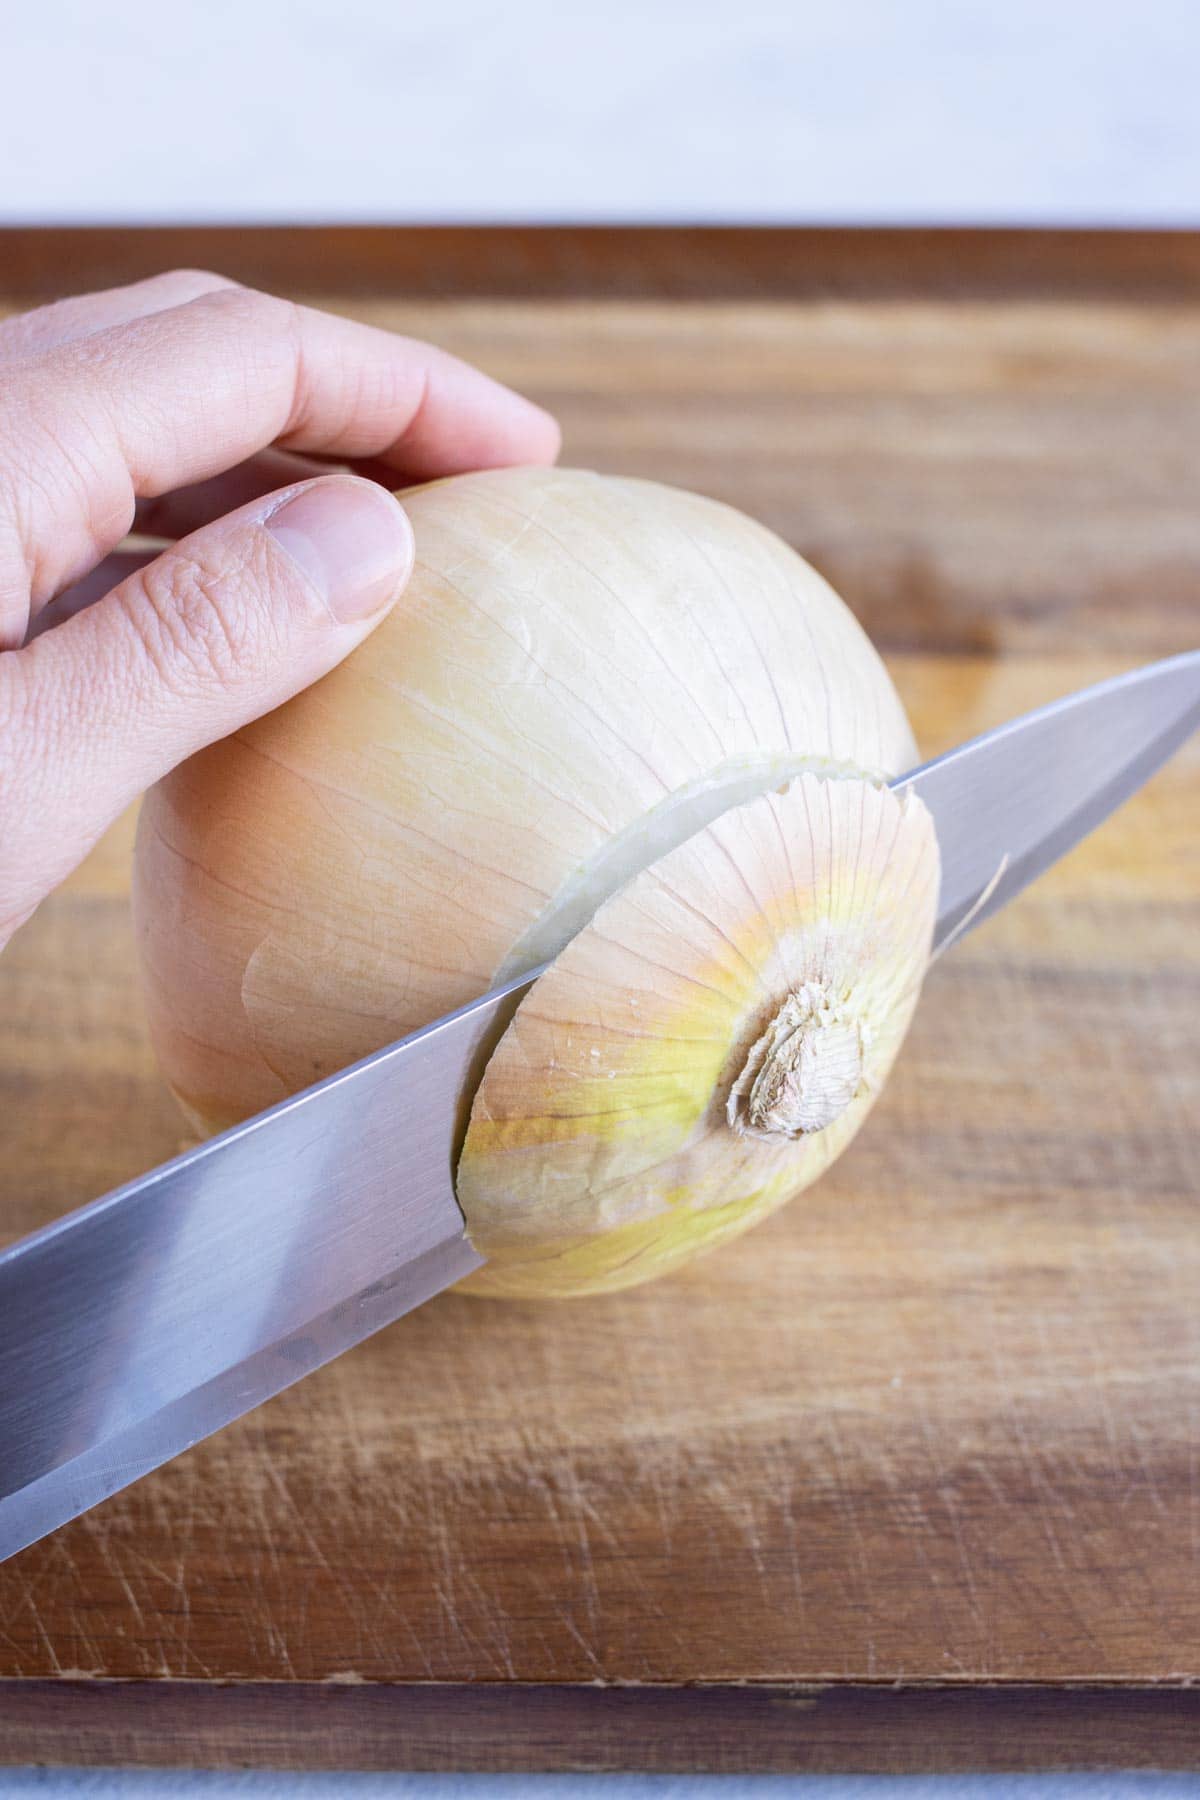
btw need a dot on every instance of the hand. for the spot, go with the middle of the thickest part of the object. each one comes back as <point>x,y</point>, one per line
<point>177,406</point>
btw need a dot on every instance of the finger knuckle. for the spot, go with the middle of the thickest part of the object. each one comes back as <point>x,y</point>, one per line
<point>195,623</point>
<point>187,281</point>
<point>261,331</point>
<point>249,306</point>
<point>66,497</point>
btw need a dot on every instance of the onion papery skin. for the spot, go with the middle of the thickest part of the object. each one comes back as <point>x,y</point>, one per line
<point>583,671</point>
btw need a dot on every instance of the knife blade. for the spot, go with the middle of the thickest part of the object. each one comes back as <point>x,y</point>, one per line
<point>140,1324</point>
<point>1010,804</point>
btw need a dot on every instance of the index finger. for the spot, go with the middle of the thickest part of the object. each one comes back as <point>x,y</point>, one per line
<point>161,401</point>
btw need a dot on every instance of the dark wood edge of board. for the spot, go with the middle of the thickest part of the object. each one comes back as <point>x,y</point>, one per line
<point>667,262</point>
<point>839,1727</point>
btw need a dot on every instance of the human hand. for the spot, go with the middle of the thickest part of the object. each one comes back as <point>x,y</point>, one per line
<point>177,406</point>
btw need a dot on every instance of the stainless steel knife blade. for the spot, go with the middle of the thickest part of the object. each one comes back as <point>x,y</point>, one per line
<point>140,1324</point>
<point>1011,803</point>
<point>143,1322</point>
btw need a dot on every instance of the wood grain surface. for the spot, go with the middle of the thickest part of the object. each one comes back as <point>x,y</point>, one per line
<point>910,1476</point>
<point>436,262</point>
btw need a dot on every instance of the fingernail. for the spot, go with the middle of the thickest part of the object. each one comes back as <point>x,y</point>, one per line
<point>351,538</point>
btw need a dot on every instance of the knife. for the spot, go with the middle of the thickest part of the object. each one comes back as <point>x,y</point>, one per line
<point>138,1325</point>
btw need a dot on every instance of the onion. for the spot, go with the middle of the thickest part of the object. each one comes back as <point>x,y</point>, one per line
<point>608,723</point>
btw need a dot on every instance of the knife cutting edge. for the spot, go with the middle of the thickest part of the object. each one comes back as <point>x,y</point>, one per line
<point>142,1323</point>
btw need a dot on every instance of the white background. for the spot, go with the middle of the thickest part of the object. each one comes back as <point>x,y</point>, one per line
<point>1068,111</point>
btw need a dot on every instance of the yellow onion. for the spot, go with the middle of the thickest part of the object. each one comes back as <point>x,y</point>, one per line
<point>609,723</point>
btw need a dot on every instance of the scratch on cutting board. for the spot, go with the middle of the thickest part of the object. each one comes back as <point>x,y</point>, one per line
<point>51,1652</point>
<point>563,1613</point>
<point>573,1522</point>
<point>498,1651</point>
<point>458,1590</point>
<point>437,1535</point>
<point>1094,1351</point>
<point>784,1477</point>
<point>909,1513</point>
<point>277,1642</point>
<point>847,1506</point>
<point>128,1590</point>
<point>1043,1490</point>
<point>354,1612</point>
<point>944,1489</point>
<point>662,1472</point>
<point>177,1581</point>
<point>585,1510</point>
<point>1149,1485</point>
<point>742,1508</point>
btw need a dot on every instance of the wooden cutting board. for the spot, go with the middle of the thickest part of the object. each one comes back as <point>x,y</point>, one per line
<point>909,1477</point>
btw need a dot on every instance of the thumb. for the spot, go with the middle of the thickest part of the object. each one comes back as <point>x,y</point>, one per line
<point>221,628</point>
